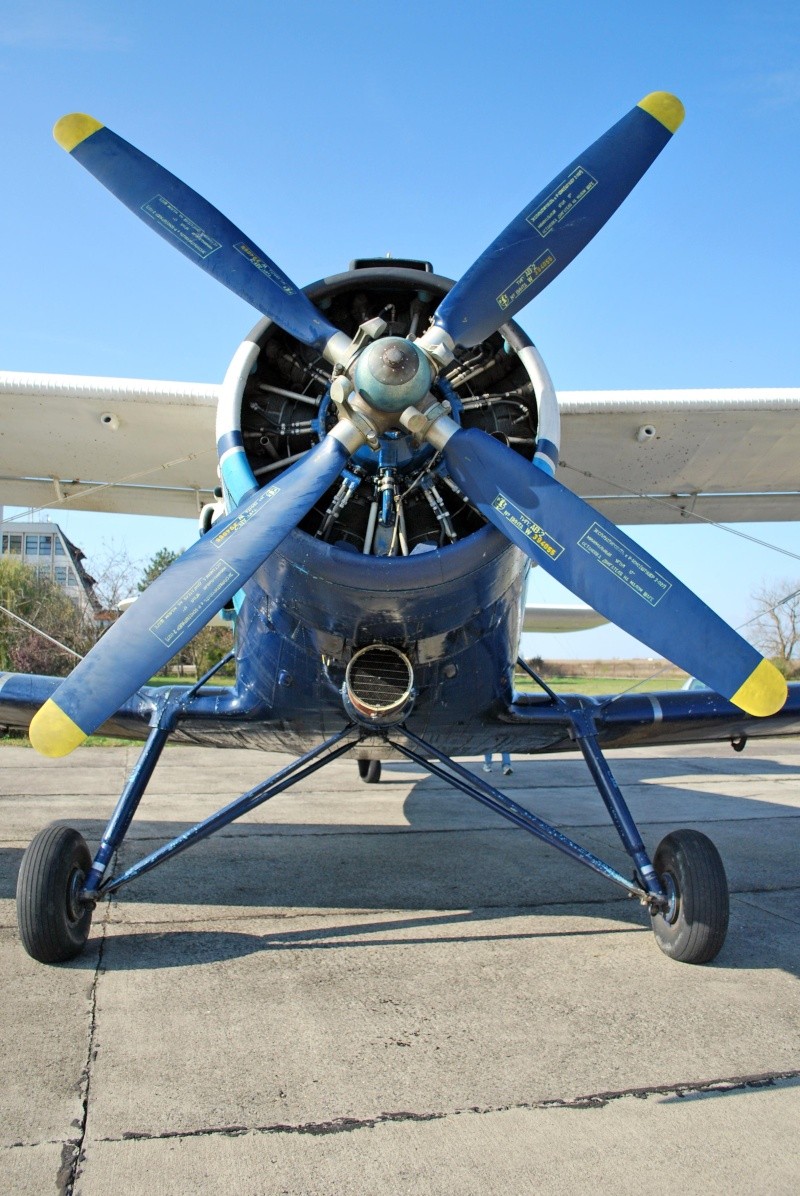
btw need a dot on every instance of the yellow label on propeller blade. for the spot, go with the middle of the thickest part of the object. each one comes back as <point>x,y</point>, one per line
<point>73,129</point>
<point>665,108</point>
<point>53,733</point>
<point>764,692</point>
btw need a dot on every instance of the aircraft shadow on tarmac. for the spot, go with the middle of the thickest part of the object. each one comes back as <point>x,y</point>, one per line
<point>459,865</point>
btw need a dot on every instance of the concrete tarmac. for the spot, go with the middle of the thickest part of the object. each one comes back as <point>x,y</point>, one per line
<point>386,989</point>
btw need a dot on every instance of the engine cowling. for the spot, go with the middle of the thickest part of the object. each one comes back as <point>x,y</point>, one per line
<point>398,500</point>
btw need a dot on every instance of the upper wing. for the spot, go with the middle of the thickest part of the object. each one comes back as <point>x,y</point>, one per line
<point>639,456</point>
<point>661,456</point>
<point>107,444</point>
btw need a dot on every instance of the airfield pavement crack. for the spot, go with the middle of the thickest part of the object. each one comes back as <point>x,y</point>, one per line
<point>743,895</point>
<point>596,1100</point>
<point>72,1154</point>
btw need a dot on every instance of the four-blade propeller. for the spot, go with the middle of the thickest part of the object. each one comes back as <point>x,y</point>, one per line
<point>559,531</point>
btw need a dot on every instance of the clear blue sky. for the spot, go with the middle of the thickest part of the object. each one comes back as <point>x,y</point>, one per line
<point>334,130</point>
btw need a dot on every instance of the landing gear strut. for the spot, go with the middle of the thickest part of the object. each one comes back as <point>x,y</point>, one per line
<point>683,888</point>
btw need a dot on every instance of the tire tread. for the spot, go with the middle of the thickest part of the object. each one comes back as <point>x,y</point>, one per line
<point>45,929</point>
<point>699,931</point>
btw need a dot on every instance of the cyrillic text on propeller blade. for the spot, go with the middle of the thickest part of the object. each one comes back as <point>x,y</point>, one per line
<point>629,568</point>
<point>245,515</point>
<point>194,602</point>
<point>268,269</point>
<point>560,202</point>
<point>526,279</point>
<point>532,531</point>
<point>175,222</point>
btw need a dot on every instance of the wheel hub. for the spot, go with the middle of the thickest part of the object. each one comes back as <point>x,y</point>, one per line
<point>75,906</point>
<point>669,911</point>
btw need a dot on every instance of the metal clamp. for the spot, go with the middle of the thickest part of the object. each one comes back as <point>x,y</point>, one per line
<point>419,423</point>
<point>341,390</point>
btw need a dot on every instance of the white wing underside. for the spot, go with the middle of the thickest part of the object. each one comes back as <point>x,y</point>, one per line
<point>548,617</point>
<point>668,456</point>
<point>646,456</point>
<point>69,442</point>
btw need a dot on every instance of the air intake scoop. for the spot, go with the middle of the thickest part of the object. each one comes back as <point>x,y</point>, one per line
<point>379,685</point>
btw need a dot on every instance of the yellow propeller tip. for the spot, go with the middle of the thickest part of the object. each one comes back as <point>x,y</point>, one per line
<point>764,692</point>
<point>665,108</point>
<point>73,129</point>
<point>53,733</point>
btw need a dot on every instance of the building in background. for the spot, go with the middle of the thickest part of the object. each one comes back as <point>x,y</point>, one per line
<point>45,548</point>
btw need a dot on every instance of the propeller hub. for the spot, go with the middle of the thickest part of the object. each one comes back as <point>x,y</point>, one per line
<point>392,374</point>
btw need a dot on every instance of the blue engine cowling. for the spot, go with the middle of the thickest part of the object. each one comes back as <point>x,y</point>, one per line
<point>393,554</point>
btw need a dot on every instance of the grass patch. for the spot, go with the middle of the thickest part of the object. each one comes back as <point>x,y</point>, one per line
<point>14,738</point>
<point>591,686</point>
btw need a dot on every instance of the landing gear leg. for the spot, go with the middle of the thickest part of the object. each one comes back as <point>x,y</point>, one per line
<point>689,890</point>
<point>59,884</point>
<point>684,887</point>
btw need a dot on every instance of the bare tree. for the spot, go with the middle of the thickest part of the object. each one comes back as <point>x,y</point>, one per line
<point>116,574</point>
<point>776,626</point>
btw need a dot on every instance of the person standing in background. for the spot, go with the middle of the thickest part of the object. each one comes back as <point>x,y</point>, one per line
<point>505,763</point>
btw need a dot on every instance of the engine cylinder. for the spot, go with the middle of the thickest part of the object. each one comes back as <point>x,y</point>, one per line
<point>397,500</point>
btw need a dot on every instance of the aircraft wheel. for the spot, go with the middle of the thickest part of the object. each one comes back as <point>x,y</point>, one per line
<point>369,771</point>
<point>689,866</point>
<point>53,923</point>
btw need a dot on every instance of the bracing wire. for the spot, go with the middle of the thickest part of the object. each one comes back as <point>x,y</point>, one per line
<point>666,501</point>
<point>39,631</point>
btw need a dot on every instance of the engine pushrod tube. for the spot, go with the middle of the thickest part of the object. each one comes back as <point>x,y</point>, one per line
<point>487,795</point>
<point>298,770</point>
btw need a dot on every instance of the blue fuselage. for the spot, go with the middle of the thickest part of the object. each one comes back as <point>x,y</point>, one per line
<point>456,614</point>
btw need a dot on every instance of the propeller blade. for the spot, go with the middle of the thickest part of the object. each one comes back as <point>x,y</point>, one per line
<point>194,226</point>
<point>555,226</point>
<point>600,564</point>
<point>185,597</point>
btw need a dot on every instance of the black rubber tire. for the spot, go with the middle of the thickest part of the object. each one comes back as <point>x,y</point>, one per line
<point>369,771</point>
<point>690,867</point>
<point>53,925</point>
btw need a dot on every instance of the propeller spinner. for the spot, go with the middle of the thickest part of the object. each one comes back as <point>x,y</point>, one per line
<point>392,374</point>
<point>389,380</point>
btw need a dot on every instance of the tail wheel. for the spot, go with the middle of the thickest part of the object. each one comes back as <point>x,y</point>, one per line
<point>53,922</point>
<point>693,928</point>
<point>369,771</point>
